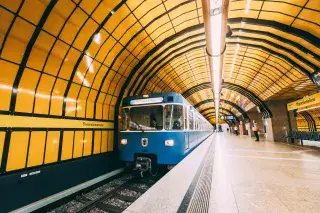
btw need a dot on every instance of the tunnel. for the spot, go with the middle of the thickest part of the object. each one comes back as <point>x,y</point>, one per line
<point>67,65</point>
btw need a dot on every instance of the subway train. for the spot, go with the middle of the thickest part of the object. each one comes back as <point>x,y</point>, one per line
<point>159,130</point>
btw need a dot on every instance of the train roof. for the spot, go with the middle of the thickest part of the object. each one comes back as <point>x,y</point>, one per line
<point>154,98</point>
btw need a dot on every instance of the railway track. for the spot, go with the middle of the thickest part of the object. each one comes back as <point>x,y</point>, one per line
<point>112,197</point>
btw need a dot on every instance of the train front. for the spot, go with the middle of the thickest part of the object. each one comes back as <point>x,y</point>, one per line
<point>151,132</point>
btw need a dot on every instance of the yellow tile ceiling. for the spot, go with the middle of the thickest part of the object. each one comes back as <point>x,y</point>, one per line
<point>77,58</point>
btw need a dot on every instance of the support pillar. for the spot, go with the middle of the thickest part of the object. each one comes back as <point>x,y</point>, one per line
<point>248,128</point>
<point>280,121</point>
<point>268,129</point>
<point>241,128</point>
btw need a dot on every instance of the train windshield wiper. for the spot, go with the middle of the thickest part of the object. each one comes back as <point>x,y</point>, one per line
<point>138,126</point>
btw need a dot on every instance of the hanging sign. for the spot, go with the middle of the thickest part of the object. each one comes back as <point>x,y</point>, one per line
<point>305,103</point>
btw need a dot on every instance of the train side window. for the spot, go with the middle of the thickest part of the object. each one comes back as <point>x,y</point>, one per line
<point>174,117</point>
<point>191,120</point>
<point>185,117</point>
<point>198,123</point>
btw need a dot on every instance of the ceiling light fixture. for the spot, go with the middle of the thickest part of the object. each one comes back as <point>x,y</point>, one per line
<point>234,59</point>
<point>89,63</point>
<point>97,38</point>
<point>247,7</point>
<point>215,21</point>
<point>83,80</point>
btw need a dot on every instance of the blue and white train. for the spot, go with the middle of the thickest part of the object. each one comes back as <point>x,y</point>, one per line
<point>159,129</point>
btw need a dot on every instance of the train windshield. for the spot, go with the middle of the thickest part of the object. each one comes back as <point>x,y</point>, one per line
<point>124,119</point>
<point>174,117</point>
<point>145,118</point>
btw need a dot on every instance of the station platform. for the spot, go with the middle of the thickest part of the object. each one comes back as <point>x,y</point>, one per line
<point>228,173</point>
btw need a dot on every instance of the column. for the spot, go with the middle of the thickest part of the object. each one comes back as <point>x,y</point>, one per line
<point>280,120</point>
<point>248,128</point>
<point>269,130</point>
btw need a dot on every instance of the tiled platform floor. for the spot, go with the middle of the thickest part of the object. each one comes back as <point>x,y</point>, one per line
<point>253,177</point>
<point>264,177</point>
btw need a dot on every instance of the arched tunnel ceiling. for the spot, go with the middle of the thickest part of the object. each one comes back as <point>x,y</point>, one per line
<point>79,58</point>
<point>235,97</point>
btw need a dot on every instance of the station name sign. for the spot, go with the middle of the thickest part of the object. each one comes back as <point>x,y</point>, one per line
<point>12,121</point>
<point>305,102</point>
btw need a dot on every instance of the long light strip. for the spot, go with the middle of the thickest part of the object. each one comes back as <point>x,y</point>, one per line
<point>97,38</point>
<point>83,80</point>
<point>216,40</point>
<point>246,11</point>
<point>215,20</point>
<point>234,59</point>
<point>37,94</point>
<point>89,63</point>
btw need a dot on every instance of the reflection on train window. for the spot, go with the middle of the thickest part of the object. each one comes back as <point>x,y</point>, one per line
<point>174,117</point>
<point>146,118</point>
<point>185,117</point>
<point>124,119</point>
<point>190,120</point>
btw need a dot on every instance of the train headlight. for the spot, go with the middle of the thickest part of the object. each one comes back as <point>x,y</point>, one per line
<point>124,141</point>
<point>169,142</point>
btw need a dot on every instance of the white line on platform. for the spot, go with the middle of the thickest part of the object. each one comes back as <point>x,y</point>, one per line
<point>277,152</point>
<point>271,158</point>
<point>48,200</point>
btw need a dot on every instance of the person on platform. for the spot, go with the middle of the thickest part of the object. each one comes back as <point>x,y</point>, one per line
<point>235,128</point>
<point>255,130</point>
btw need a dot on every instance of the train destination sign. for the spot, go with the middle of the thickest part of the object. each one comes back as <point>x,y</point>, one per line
<point>147,101</point>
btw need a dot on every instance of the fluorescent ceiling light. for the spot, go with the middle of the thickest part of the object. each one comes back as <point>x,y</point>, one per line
<point>247,7</point>
<point>37,94</point>
<point>82,79</point>
<point>89,63</point>
<point>71,109</point>
<point>234,59</point>
<point>97,38</point>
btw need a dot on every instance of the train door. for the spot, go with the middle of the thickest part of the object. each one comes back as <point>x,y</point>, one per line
<point>186,133</point>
